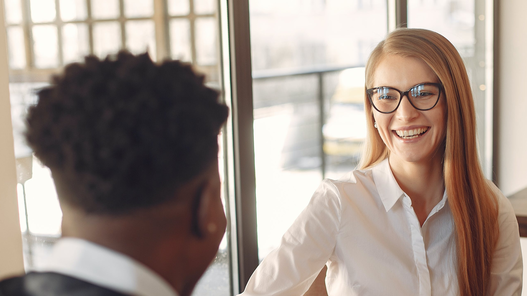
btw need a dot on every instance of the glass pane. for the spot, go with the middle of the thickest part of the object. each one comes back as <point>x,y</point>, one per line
<point>17,52</point>
<point>45,46</point>
<point>458,21</point>
<point>21,97</point>
<point>140,37</point>
<point>286,153</point>
<point>105,9</point>
<point>206,41</point>
<point>106,38</point>
<point>73,10</point>
<point>344,129</point>
<point>74,42</point>
<point>43,210</point>
<point>180,47</point>
<point>43,11</point>
<point>453,19</point>
<point>38,191</point>
<point>204,6</point>
<point>13,11</point>
<point>178,7</point>
<point>291,140</point>
<point>38,204</point>
<point>134,8</point>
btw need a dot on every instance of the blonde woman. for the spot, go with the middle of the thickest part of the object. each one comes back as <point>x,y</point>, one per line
<point>418,216</point>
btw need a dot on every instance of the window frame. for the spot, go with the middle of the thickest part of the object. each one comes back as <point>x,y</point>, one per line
<point>160,18</point>
<point>242,111</point>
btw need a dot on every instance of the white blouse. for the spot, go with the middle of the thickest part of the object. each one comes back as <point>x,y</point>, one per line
<point>366,231</point>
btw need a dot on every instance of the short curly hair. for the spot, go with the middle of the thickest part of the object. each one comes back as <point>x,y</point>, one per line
<point>124,133</point>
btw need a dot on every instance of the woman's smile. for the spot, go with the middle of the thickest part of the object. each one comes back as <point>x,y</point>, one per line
<point>408,134</point>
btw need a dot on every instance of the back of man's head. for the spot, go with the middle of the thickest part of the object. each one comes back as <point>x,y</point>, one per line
<point>124,133</point>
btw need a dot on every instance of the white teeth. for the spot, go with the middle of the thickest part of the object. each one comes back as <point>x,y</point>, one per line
<point>410,134</point>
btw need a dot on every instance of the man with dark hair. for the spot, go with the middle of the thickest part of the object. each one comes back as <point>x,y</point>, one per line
<point>133,150</point>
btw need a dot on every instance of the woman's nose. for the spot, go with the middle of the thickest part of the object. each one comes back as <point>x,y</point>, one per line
<point>406,111</point>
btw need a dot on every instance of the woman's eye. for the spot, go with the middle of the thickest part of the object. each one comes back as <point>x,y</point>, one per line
<point>423,94</point>
<point>386,97</point>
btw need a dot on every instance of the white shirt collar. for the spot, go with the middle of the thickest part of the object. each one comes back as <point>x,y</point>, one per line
<point>104,267</point>
<point>389,190</point>
<point>387,186</point>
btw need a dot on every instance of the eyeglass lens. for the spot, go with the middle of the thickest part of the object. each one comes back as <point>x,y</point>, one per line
<point>422,96</point>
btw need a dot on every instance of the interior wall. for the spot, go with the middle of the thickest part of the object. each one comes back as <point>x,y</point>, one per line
<point>11,260</point>
<point>512,103</point>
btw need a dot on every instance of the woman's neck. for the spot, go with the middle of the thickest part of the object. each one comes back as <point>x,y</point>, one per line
<point>423,182</point>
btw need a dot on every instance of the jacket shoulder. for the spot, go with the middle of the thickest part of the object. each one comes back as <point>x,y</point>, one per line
<point>49,283</point>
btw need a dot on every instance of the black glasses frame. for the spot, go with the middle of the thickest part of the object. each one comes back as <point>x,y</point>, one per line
<point>404,93</point>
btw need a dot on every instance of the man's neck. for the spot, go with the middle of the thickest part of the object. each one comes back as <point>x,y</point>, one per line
<point>145,239</point>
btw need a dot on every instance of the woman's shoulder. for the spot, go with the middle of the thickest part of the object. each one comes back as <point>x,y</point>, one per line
<point>356,177</point>
<point>355,185</point>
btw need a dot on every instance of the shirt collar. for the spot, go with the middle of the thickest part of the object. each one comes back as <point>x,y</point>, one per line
<point>387,186</point>
<point>104,267</point>
<point>389,190</point>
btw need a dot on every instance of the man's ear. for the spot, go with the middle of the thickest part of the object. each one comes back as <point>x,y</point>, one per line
<point>201,210</point>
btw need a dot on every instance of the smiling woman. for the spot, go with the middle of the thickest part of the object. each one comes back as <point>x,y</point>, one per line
<point>480,214</point>
<point>417,217</point>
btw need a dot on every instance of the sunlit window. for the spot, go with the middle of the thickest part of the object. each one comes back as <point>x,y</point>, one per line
<point>45,35</point>
<point>308,86</point>
<point>465,24</point>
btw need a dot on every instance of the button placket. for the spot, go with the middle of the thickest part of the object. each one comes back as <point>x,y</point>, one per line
<point>418,248</point>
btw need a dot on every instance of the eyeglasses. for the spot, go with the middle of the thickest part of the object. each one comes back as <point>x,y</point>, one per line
<point>423,97</point>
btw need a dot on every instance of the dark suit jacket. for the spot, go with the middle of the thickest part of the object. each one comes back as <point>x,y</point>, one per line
<point>51,284</point>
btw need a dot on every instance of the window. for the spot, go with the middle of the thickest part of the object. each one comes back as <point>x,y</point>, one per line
<point>296,77</point>
<point>466,23</point>
<point>45,35</point>
<point>308,90</point>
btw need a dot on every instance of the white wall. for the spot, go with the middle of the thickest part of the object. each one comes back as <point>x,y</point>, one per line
<point>512,64</point>
<point>512,134</point>
<point>11,261</point>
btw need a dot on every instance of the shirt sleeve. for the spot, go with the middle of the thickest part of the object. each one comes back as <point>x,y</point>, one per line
<point>506,269</point>
<point>304,250</point>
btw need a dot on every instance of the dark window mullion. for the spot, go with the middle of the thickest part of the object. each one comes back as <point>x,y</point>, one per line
<point>27,25</point>
<point>161,25</point>
<point>243,139</point>
<point>397,14</point>
<point>192,23</point>
<point>122,23</point>
<point>89,21</point>
<point>401,13</point>
<point>59,24</point>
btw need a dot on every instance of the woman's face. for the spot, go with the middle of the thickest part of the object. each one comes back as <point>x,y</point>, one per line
<point>403,73</point>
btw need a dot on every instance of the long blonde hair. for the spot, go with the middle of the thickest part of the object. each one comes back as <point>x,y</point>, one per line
<point>473,205</point>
